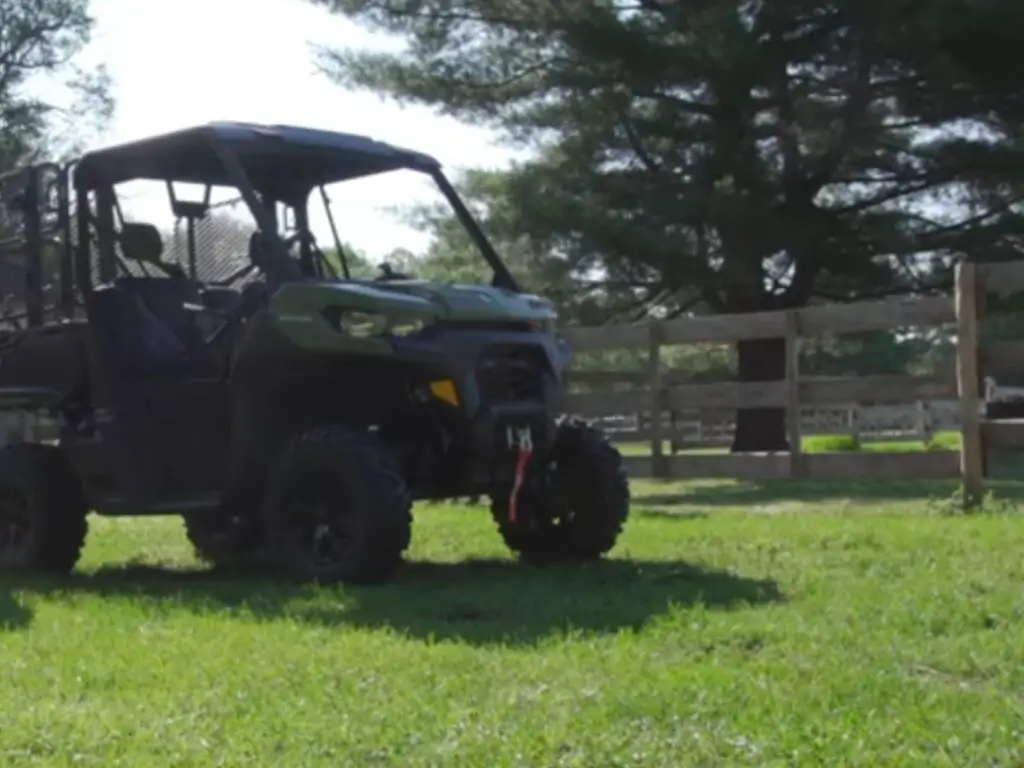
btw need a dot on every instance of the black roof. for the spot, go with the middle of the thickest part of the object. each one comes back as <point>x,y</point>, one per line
<point>272,155</point>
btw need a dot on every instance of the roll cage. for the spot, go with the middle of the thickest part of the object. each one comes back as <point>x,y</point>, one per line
<point>59,224</point>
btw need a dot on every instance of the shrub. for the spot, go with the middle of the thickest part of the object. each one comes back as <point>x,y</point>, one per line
<point>830,444</point>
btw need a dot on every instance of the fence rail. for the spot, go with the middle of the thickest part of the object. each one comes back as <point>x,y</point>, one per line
<point>809,321</point>
<point>690,429</point>
<point>657,397</point>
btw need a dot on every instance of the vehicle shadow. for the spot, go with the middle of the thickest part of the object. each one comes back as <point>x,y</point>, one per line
<point>14,614</point>
<point>479,601</point>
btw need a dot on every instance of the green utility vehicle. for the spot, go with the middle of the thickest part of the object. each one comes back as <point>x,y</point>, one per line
<point>288,411</point>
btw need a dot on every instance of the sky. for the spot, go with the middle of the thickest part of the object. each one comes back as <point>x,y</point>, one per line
<point>181,63</point>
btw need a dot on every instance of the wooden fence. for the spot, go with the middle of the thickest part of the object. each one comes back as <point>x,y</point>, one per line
<point>862,424</point>
<point>660,393</point>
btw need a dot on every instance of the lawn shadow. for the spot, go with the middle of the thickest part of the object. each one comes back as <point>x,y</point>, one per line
<point>14,614</point>
<point>477,601</point>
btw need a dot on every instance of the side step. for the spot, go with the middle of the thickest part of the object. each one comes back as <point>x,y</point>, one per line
<point>121,506</point>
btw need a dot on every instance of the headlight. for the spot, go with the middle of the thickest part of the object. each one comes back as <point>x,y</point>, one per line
<point>546,325</point>
<point>362,325</point>
<point>365,325</point>
<point>406,326</point>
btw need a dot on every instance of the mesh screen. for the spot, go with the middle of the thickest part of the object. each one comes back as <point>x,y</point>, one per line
<point>222,242</point>
<point>14,189</point>
<point>221,237</point>
<point>12,245</point>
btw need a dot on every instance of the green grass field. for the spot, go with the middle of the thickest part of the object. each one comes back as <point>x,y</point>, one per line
<point>745,624</point>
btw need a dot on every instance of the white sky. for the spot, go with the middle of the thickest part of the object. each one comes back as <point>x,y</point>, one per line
<point>186,62</point>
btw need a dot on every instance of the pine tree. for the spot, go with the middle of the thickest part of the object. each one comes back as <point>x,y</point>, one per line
<point>713,155</point>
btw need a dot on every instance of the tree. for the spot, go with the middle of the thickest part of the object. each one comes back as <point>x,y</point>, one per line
<point>981,40</point>
<point>39,39</point>
<point>38,42</point>
<point>453,256</point>
<point>714,155</point>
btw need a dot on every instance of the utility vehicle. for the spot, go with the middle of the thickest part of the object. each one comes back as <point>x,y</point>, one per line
<point>290,412</point>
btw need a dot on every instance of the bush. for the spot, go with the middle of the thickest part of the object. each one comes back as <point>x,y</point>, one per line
<point>830,444</point>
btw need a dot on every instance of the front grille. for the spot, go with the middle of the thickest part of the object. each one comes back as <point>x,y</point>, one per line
<point>511,372</point>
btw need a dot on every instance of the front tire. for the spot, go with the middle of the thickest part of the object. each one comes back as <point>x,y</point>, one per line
<point>578,508</point>
<point>225,541</point>
<point>338,508</point>
<point>43,510</point>
<point>231,536</point>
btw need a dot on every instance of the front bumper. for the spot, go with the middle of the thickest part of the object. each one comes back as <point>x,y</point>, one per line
<point>506,382</point>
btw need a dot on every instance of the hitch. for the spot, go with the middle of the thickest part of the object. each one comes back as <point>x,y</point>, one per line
<point>521,440</point>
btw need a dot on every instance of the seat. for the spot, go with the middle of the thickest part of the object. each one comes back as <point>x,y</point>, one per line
<point>149,327</point>
<point>165,300</point>
<point>137,342</point>
<point>254,295</point>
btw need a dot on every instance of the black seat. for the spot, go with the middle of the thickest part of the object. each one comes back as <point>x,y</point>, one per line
<point>137,342</point>
<point>145,317</point>
<point>165,301</point>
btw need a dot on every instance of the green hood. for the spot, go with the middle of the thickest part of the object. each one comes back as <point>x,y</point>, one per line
<point>406,298</point>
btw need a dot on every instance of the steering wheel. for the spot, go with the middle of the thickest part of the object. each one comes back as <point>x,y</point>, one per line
<point>387,272</point>
<point>292,240</point>
<point>297,238</point>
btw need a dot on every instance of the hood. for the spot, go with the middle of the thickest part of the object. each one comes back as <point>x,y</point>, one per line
<point>442,301</point>
<point>476,302</point>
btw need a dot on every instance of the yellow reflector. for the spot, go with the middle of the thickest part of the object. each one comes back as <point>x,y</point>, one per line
<point>445,390</point>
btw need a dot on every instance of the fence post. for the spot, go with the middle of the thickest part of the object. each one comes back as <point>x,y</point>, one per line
<point>925,432</point>
<point>968,384</point>
<point>654,383</point>
<point>796,463</point>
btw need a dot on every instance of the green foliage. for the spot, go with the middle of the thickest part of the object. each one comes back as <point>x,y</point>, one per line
<point>982,40</point>
<point>358,262</point>
<point>876,352</point>
<point>694,363</point>
<point>722,156</point>
<point>859,354</point>
<point>1003,319</point>
<point>536,262</point>
<point>830,444</point>
<point>944,441</point>
<point>39,40</point>
<point>718,155</point>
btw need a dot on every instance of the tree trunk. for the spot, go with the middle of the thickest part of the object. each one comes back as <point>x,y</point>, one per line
<point>761,429</point>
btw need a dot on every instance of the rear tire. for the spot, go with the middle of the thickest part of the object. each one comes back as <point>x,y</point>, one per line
<point>43,510</point>
<point>338,508</point>
<point>579,512</point>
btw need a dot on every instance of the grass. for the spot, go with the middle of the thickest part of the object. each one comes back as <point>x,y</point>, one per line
<point>741,624</point>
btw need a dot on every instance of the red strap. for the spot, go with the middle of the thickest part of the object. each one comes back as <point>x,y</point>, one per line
<point>513,500</point>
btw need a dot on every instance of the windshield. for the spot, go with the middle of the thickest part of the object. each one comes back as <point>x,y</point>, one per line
<point>370,222</point>
<point>395,225</point>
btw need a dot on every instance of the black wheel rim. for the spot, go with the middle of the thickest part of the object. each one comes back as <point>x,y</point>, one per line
<point>16,532</point>
<point>319,526</point>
